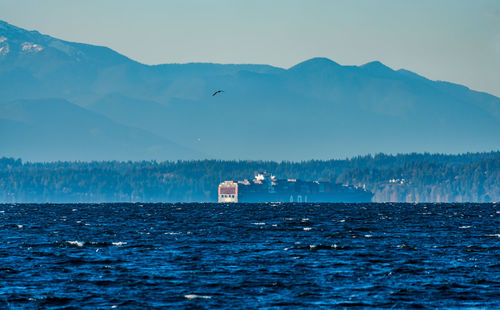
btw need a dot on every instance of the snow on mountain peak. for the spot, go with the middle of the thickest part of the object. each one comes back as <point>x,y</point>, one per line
<point>31,47</point>
<point>4,46</point>
<point>4,50</point>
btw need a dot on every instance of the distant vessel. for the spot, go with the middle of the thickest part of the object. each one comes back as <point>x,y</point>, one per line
<point>266,188</point>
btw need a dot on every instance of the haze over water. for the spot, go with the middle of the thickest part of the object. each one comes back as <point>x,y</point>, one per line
<point>259,255</point>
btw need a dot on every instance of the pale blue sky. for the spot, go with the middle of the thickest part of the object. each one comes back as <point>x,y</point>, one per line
<point>453,40</point>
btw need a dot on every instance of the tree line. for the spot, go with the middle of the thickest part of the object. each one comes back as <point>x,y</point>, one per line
<point>415,177</point>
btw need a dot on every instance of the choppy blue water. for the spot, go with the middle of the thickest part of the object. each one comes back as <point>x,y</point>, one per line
<point>265,255</point>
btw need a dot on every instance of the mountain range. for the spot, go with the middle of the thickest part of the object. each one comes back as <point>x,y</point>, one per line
<point>61,100</point>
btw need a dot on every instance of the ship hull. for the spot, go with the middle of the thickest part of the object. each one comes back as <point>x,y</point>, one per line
<point>317,198</point>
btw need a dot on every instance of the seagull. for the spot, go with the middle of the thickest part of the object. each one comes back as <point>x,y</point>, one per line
<point>219,91</point>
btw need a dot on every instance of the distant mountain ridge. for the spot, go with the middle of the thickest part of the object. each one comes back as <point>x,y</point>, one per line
<point>31,127</point>
<point>315,109</point>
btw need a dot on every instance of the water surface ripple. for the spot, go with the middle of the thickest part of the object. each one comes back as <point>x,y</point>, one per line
<point>262,255</point>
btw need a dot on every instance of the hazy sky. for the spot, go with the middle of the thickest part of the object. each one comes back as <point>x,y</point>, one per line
<point>453,40</point>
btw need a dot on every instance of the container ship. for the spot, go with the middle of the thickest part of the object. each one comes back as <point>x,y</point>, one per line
<point>266,188</point>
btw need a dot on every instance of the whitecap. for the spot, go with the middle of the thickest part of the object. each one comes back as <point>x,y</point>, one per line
<point>20,226</point>
<point>118,243</point>
<point>172,233</point>
<point>77,243</point>
<point>464,227</point>
<point>307,228</point>
<point>194,296</point>
<point>494,235</point>
<point>259,223</point>
<point>368,236</point>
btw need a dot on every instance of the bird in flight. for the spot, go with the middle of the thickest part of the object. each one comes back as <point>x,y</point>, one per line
<point>215,93</point>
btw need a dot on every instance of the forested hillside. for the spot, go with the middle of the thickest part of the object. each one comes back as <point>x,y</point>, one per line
<point>408,177</point>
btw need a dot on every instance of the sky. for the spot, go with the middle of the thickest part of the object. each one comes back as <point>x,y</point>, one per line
<point>451,40</point>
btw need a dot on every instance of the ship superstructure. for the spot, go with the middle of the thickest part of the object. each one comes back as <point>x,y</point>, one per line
<point>267,188</point>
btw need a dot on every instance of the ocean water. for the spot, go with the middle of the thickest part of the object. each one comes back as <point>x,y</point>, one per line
<point>250,256</point>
